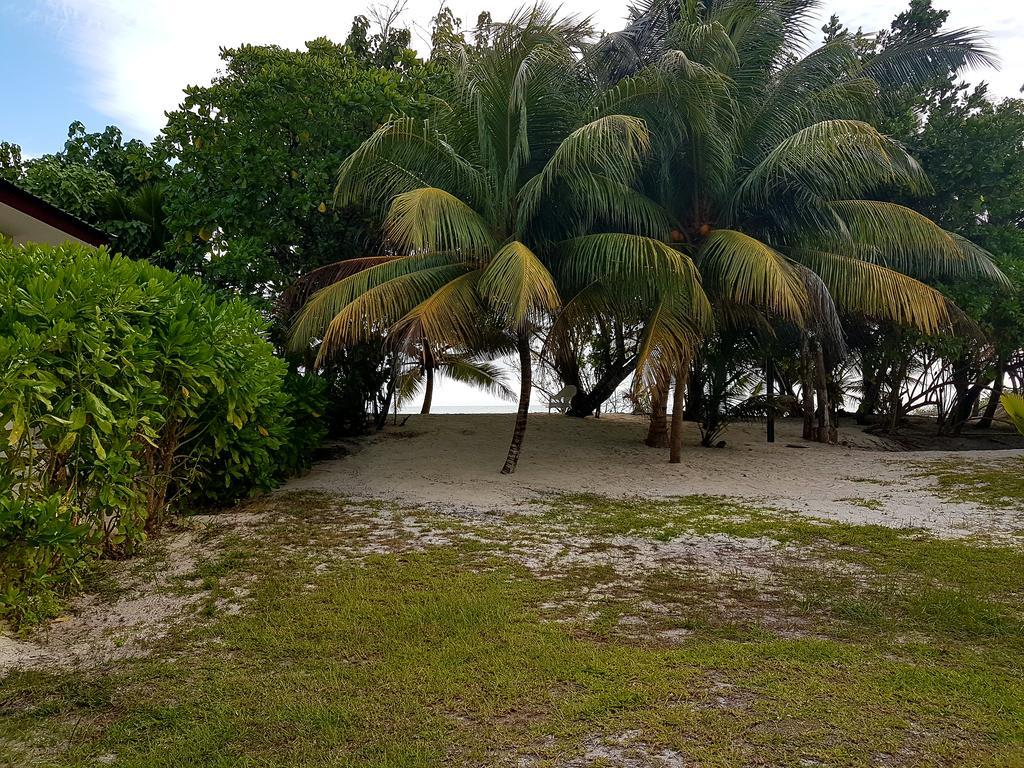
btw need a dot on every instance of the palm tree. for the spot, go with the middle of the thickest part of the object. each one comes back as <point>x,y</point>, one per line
<point>521,182</point>
<point>468,367</point>
<point>774,178</point>
<point>771,180</point>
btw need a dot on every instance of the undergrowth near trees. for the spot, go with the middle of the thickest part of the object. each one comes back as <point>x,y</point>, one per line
<point>126,390</point>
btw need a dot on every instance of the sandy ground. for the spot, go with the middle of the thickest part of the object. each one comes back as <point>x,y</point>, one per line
<point>448,464</point>
<point>149,604</point>
<point>452,461</point>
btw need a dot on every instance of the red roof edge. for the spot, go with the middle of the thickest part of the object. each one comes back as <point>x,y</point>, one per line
<point>37,208</point>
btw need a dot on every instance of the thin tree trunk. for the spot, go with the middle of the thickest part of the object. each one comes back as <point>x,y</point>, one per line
<point>695,391</point>
<point>428,392</point>
<point>382,415</point>
<point>824,430</point>
<point>997,393</point>
<point>525,388</point>
<point>807,387</point>
<point>678,406</point>
<point>657,434</point>
<point>428,370</point>
<point>899,375</point>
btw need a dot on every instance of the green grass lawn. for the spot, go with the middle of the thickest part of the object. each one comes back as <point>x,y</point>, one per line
<point>998,485</point>
<point>439,641</point>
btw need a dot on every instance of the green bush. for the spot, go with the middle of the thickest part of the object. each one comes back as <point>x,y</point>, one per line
<point>126,390</point>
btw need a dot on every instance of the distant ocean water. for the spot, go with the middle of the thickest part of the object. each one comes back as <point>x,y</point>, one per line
<point>510,408</point>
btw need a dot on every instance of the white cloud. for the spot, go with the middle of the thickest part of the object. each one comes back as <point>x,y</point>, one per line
<point>139,54</point>
<point>1001,20</point>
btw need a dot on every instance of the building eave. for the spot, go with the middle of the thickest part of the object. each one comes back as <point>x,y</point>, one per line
<point>25,203</point>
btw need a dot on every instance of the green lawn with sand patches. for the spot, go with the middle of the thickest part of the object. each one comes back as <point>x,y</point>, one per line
<point>997,485</point>
<point>863,645</point>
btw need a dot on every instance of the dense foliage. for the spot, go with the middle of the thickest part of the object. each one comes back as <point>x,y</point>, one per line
<point>727,156</point>
<point>124,391</point>
<point>691,180</point>
<point>256,153</point>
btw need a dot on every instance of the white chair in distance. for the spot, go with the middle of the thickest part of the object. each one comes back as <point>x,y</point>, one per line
<point>561,401</point>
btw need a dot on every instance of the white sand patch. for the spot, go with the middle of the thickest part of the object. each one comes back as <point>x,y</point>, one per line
<point>451,461</point>
<point>150,604</point>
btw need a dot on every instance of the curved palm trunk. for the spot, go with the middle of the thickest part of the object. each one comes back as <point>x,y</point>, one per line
<point>678,406</point>
<point>589,403</point>
<point>657,434</point>
<point>428,370</point>
<point>428,392</point>
<point>525,388</point>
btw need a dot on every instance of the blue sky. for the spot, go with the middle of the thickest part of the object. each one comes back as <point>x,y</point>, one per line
<point>44,86</point>
<point>126,61</point>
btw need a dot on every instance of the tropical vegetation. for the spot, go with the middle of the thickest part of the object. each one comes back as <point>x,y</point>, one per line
<point>690,177</point>
<point>127,392</point>
<point>705,209</point>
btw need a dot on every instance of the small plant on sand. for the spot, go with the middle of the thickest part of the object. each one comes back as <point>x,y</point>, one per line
<point>1014,407</point>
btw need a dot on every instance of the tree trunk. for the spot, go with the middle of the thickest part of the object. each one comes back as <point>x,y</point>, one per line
<point>871,390</point>
<point>769,376</point>
<point>525,389</point>
<point>382,415</point>
<point>695,392</point>
<point>895,376</point>
<point>997,393</point>
<point>428,392</point>
<point>807,387</point>
<point>589,403</point>
<point>823,433</point>
<point>428,371</point>
<point>678,406</point>
<point>657,434</point>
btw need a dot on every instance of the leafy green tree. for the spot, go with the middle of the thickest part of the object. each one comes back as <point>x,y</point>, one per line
<point>125,388</point>
<point>79,189</point>
<point>10,161</point>
<point>132,164</point>
<point>972,150</point>
<point>115,185</point>
<point>256,153</point>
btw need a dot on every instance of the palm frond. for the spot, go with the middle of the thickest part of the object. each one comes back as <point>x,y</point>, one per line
<point>487,376</point>
<point>431,219</point>
<point>516,284</point>
<point>383,306</point>
<point>917,61</point>
<point>634,267</point>
<point>404,154</point>
<point>822,313</point>
<point>613,145</point>
<point>876,291</point>
<point>298,293</point>
<point>904,240</point>
<point>669,339</point>
<point>449,316</point>
<point>410,384</point>
<point>317,313</point>
<point>747,271</point>
<point>831,159</point>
